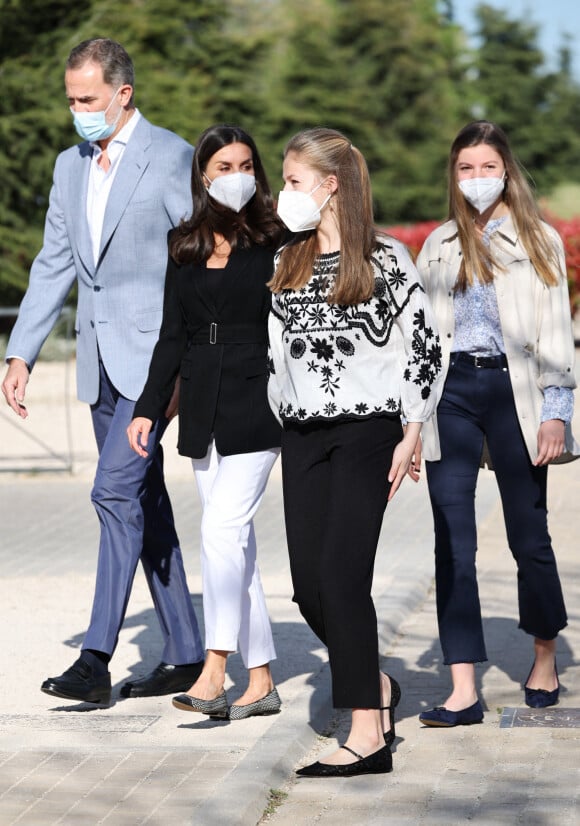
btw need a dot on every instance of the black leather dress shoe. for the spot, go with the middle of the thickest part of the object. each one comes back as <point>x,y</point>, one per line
<point>80,682</point>
<point>164,679</point>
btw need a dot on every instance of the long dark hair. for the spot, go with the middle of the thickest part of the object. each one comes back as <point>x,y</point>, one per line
<point>257,223</point>
<point>517,196</point>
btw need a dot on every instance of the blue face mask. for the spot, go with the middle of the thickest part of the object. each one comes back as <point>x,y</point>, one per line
<point>93,126</point>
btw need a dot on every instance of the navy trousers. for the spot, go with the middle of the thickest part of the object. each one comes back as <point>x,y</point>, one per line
<point>335,494</point>
<point>136,520</point>
<point>477,403</point>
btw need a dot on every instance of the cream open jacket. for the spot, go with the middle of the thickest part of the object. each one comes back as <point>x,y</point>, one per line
<point>535,321</point>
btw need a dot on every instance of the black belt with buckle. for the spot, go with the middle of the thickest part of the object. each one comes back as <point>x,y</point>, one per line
<point>215,333</point>
<point>487,362</point>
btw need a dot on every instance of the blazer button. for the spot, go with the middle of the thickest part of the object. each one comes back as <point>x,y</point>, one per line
<point>97,289</point>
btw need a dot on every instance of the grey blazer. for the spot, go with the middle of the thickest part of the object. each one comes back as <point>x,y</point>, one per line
<point>120,300</point>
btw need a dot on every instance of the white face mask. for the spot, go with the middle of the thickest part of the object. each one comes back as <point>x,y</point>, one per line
<point>482,192</point>
<point>299,210</point>
<point>234,190</point>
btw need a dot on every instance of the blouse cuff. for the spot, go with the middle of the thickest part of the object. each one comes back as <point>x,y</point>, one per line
<point>558,404</point>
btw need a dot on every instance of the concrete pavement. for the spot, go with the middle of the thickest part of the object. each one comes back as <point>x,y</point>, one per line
<point>143,762</point>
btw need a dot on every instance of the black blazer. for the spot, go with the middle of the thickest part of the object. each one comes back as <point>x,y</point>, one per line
<point>214,334</point>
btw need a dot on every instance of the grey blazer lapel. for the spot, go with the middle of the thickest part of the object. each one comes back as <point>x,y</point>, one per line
<point>131,167</point>
<point>78,184</point>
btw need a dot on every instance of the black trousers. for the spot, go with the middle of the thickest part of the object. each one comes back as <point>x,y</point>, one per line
<point>335,494</point>
<point>479,402</point>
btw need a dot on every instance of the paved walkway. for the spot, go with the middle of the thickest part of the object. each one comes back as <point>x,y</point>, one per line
<point>143,762</point>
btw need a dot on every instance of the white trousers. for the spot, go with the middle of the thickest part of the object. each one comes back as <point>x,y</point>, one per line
<point>234,608</point>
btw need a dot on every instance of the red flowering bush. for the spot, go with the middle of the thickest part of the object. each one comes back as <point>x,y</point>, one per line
<point>414,236</point>
<point>569,231</point>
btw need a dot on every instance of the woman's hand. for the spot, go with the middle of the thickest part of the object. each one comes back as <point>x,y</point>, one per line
<point>402,456</point>
<point>138,434</point>
<point>551,441</point>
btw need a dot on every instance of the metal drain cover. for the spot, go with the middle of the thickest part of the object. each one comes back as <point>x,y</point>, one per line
<point>540,717</point>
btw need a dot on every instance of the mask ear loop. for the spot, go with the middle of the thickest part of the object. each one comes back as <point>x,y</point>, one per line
<point>326,200</point>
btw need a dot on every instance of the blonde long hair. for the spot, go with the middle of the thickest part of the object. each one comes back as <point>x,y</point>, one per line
<point>517,195</point>
<point>329,152</point>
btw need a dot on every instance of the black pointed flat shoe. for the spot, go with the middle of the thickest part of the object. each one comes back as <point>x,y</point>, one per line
<point>395,699</point>
<point>540,697</point>
<point>380,762</point>
<point>215,708</point>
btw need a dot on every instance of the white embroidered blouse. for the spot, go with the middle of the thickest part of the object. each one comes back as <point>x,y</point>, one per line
<point>379,357</point>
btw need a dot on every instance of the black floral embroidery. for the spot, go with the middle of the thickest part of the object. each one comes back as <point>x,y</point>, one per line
<point>329,384</point>
<point>317,315</point>
<point>322,349</point>
<point>345,346</point>
<point>329,337</point>
<point>380,288</point>
<point>397,278</point>
<point>341,313</point>
<point>297,348</point>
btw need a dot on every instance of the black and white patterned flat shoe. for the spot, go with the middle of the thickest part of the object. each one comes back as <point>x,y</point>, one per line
<point>215,708</point>
<point>270,704</point>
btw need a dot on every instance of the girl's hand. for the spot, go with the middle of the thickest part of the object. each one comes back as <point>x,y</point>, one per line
<point>551,441</point>
<point>402,456</point>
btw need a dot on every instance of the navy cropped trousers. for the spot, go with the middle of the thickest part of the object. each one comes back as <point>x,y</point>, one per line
<point>478,403</point>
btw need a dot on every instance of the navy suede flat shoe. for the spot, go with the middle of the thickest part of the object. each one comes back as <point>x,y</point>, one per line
<point>541,697</point>
<point>443,718</point>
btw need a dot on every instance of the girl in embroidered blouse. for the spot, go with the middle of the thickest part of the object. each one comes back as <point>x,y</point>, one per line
<point>353,346</point>
<point>496,276</point>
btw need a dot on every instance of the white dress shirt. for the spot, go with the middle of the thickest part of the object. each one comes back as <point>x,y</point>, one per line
<point>100,182</point>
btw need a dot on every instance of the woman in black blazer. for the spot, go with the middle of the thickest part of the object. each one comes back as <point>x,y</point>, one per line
<point>213,347</point>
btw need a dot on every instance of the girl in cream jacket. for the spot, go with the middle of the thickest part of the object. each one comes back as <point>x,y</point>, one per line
<point>496,277</point>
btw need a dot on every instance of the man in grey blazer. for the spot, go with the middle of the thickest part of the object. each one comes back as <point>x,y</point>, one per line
<point>113,200</point>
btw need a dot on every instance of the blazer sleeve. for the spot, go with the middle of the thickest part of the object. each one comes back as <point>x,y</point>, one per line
<point>276,359</point>
<point>177,196</point>
<point>167,354</point>
<point>52,276</point>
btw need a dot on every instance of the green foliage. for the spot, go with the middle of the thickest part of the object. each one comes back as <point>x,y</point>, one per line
<point>539,110</point>
<point>396,77</point>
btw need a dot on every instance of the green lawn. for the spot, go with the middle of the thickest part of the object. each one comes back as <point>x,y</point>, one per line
<point>564,201</point>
